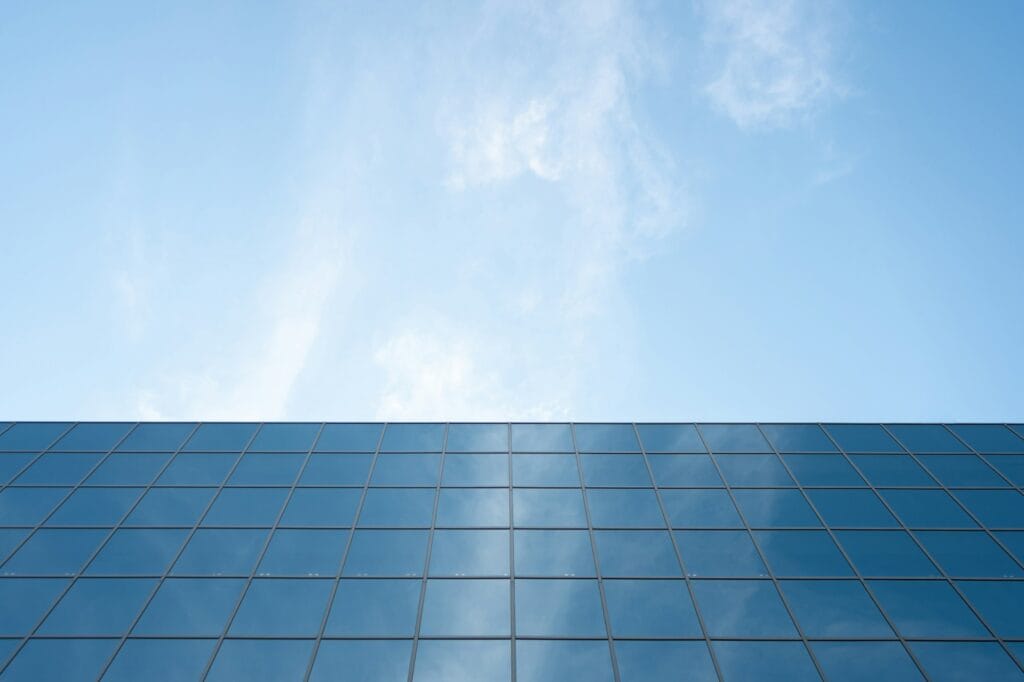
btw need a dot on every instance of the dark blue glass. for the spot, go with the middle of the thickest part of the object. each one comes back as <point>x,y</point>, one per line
<point>304,552</point>
<point>221,437</point>
<point>466,608</point>
<point>469,553</point>
<point>721,553</point>
<point>138,551</point>
<point>11,538</point>
<point>863,438</point>
<point>321,507</point>
<point>168,660</point>
<point>851,509</point>
<point>822,470</point>
<point>198,469</point>
<point>156,437</point>
<point>32,435</point>
<point>95,507</point>
<point>753,470</point>
<point>799,553</point>
<point>557,661</point>
<point>925,609</point>
<point>885,553</point>
<point>134,468</point>
<point>472,507</point>
<point>349,438</point>
<point>625,509</point>
<point>765,661</point>
<point>58,468</point>
<point>775,508</point>
<point>540,438</point>
<point>927,509</point>
<point>245,507</point>
<point>477,438</point>
<point>965,661</point>
<point>266,469</point>
<point>54,551</point>
<point>627,553</point>
<point>413,438</point>
<point>93,437</point>
<point>190,607</point>
<point>700,509</point>
<point>968,554</point>
<point>989,437</point>
<point>555,553</point>
<point>350,469</point>
<point>994,508</point>
<point>650,608</point>
<point>285,437</point>
<point>865,661</point>
<point>558,608</point>
<point>60,659</point>
<point>261,660</point>
<point>606,438</point>
<point>1013,541</point>
<point>798,438</point>
<point>962,470</point>
<point>615,470</point>
<point>920,438</point>
<point>641,661</point>
<point>548,508</point>
<point>475,469</point>
<point>25,601</point>
<point>670,438</point>
<point>282,607</point>
<point>98,606</point>
<point>742,608</point>
<point>545,470</point>
<point>1000,603</point>
<point>418,469</point>
<point>217,551</point>
<point>11,463</point>
<point>397,508</point>
<point>734,438</point>
<point>455,660</point>
<point>28,506</point>
<point>374,608</point>
<point>684,470</point>
<point>383,660</point>
<point>1010,466</point>
<point>892,470</point>
<point>834,608</point>
<point>386,553</point>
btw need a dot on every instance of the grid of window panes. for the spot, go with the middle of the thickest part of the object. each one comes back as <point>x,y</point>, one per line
<point>534,552</point>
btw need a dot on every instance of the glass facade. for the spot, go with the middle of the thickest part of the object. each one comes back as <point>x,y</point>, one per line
<point>530,552</point>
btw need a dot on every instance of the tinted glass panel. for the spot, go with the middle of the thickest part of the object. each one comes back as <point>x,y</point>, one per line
<point>742,608</point>
<point>28,506</point>
<point>466,608</point>
<point>541,438</point>
<point>650,608</point>
<point>961,470</point>
<point>926,609</point>
<point>336,470</point>
<point>814,470</point>
<point>12,463</point>
<point>349,437</point>
<point>397,508</point>
<point>851,508</point>
<point>170,507</point>
<point>32,435</point>
<point>662,661</point>
<point>684,470</point>
<point>11,538</point>
<point>221,437</point>
<point>802,553</point>
<point>892,470</point>
<point>773,508</point>
<point>615,470</point>
<point>221,552</point>
<point>136,468</point>
<point>25,601</point>
<point>56,468</point>
<point>54,552</point>
<point>625,509</point>
<point>261,660</point>
<point>477,438</point>
<point>413,438</point>
<point>994,508</point>
<point>98,606</point>
<point>387,553</point>
<point>1000,604</point>
<point>194,606</point>
<point>475,469</point>
<point>858,661</point>
<point>885,553</point>
<point>753,470</point>
<point>834,608</point>
<point>60,659</point>
<point>95,507</point>
<point>989,437</point>
<point>304,553</point>
<point>926,438</point>
<point>162,437</point>
<point>321,507</point>
<point>246,507</point>
<point>765,661</point>
<point>798,438</point>
<point>138,551</point>
<point>553,661</point>
<point>670,438</point>
<point>419,469</point>
<point>545,470</point>
<point>266,469</point>
<point>956,661</point>
<point>93,437</point>
<point>724,553</point>
<point>282,607</point>
<point>734,438</point>
<point>462,661</point>
<point>553,553</point>
<point>548,508</point>
<point>627,553</point>
<point>862,438</point>
<point>375,608</point>
<point>469,553</point>
<point>469,507</point>
<point>285,437</point>
<point>700,509</point>
<point>927,509</point>
<point>558,608</point>
<point>169,660</point>
<point>606,438</point>
<point>1010,466</point>
<point>196,469</point>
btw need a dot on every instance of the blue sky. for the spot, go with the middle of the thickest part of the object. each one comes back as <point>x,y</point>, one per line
<point>595,210</point>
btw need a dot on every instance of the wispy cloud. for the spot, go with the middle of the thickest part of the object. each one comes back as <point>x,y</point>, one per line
<point>771,59</point>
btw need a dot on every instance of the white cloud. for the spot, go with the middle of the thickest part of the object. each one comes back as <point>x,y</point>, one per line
<point>772,59</point>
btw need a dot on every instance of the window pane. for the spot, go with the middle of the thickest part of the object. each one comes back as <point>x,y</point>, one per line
<point>927,509</point>
<point>989,437</point>
<point>221,437</point>
<point>60,659</point>
<point>962,470</point>
<point>462,661</point>
<point>266,469</point>
<point>753,470</point>
<point>863,438</point>
<point>349,438</point>
<point>549,508</point>
<point>834,608</point>
<point>999,603</point>
<point>765,661</point>
<point>156,437</point>
<point>413,438</point>
<point>773,508</point>
<point>95,507</point>
<point>135,468</point>
<point>13,462</point>
<point>261,660</point>
<point>606,438</point>
<point>558,608</point>
<point>138,551</point>
<point>321,507</point>
<point>539,438</point>
<point>684,470</point>
<point>630,553</point>
<point>475,469</point>
<point>477,438</point>
<point>802,553</point>
<point>798,438</point>
<point>32,435</point>
<point>25,600</point>
<point>885,553</point>
<point>377,608</point>
<point>193,606</point>
<point>700,509</point>
<point>397,508</point>
<point>336,470</point>
<point>168,660</point>
<point>553,553</point>
<point>725,553</point>
<point>304,552</point>
<point>1014,541</point>
<point>466,608</point>
<point>57,468</point>
<point>28,506</point>
<point>469,553</point>
<point>545,470</point>
<point>670,438</point>
<point>387,553</point>
<point>926,438</point>
<point>418,469</point>
<point>851,508</point>
<point>625,509</point>
<point>11,538</point>
<point>285,438</point>
<point>383,660</point>
<point>968,554</point>
<point>556,661</point>
<point>813,470</point>
<point>951,661</point>
<point>650,608</point>
<point>994,508</point>
<point>196,469</point>
<point>615,470</point>
<point>221,552</point>
<point>245,507</point>
<point>734,438</point>
<point>98,606</point>
<point>469,507</point>
<point>926,609</point>
<point>662,661</point>
<point>282,607</point>
<point>1010,466</point>
<point>854,661</point>
<point>52,551</point>
<point>891,470</point>
<point>742,608</point>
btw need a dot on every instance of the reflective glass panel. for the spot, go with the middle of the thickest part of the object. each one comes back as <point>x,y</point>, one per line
<point>25,600</point>
<point>554,553</point>
<point>349,438</point>
<point>28,506</point>
<point>472,507</point>
<point>1000,603</point>
<point>822,470</point>
<point>156,437</point>
<point>387,553</point>
<point>221,437</point>
<point>753,470</point>
<point>541,438</point>
<point>138,551</point>
<point>700,509</point>
<point>59,659</point>
<point>558,608</point>
<point>59,468</point>
<point>261,660</point>
<point>477,438</point>
<point>863,438</point>
<point>860,661</point>
<point>989,437</point>
<point>198,469</point>
<point>409,469</point>
<point>968,554</point>
<point>350,469</point>
<point>885,553</point>
<point>961,470</point>
<point>455,660</point>
<point>927,509</point>
<point>466,608</point>
<point>927,608</point>
<point>216,551</point>
<point>734,438</point>
<point>375,608</point>
<point>994,508</point>
<point>95,507</point>
<point>321,507</point>
<point>397,508</point>
<point>285,437</point>
<point>383,660</point>
<point>765,661</point>
<point>650,608</point>
<point>798,438</point>
<point>670,438</point>
<point>892,470</point>
<point>548,508</point>
<point>606,438</point>
<point>625,509</point>
<point>135,468</point>
<point>168,660</point>
<point>774,508</point>
<point>723,553</point>
<point>282,607</point>
<point>98,606</point>
<point>32,435</point>
<point>641,661</point>
<point>304,552</point>
<point>557,661</point>
<point>413,438</point>
<point>245,507</point>
<point>475,469</point>
<point>959,661</point>
<point>192,606</point>
<point>800,553</point>
<point>742,608</point>
<point>615,470</point>
<point>628,553</point>
<point>920,438</point>
<point>1010,466</point>
<point>54,551</point>
<point>684,470</point>
<point>469,553</point>
<point>834,608</point>
<point>11,463</point>
<point>257,468</point>
<point>545,470</point>
<point>851,508</point>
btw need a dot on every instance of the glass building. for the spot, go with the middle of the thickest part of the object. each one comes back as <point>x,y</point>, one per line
<point>529,552</point>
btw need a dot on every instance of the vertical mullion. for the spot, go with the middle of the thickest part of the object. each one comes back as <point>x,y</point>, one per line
<point>593,549</point>
<point>679,554</point>
<point>764,559</point>
<point>511,560</point>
